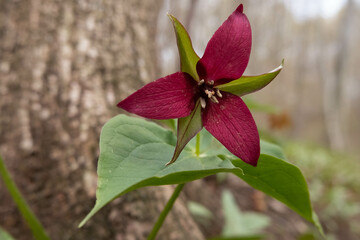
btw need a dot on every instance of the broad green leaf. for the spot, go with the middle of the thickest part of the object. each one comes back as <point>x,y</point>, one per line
<point>206,142</point>
<point>170,123</point>
<point>281,180</point>
<point>211,146</point>
<point>188,57</point>
<point>272,150</point>
<point>238,223</point>
<point>187,128</point>
<point>5,235</point>
<point>249,84</point>
<point>273,176</point>
<point>133,154</point>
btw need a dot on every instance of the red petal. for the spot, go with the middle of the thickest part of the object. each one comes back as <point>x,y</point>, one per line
<point>165,98</point>
<point>227,53</point>
<point>231,122</point>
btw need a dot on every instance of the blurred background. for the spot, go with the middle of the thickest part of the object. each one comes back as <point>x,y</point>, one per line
<point>65,64</point>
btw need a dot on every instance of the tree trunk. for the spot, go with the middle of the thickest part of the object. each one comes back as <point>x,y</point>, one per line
<point>63,67</point>
<point>333,94</point>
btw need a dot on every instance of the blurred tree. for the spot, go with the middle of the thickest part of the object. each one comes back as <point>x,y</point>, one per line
<point>335,85</point>
<point>63,67</point>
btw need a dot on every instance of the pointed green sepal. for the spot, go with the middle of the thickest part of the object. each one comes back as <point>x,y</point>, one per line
<point>187,128</point>
<point>188,57</point>
<point>249,84</point>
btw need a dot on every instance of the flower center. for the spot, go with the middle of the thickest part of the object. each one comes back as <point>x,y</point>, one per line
<point>208,91</point>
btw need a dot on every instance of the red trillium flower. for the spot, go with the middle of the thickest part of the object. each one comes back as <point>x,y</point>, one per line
<point>208,92</point>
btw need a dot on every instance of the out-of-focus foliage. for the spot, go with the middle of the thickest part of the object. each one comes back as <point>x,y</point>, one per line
<point>200,212</point>
<point>334,183</point>
<point>5,235</point>
<point>238,223</point>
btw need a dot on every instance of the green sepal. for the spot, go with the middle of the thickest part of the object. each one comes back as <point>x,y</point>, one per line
<point>187,128</point>
<point>249,84</point>
<point>188,57</point>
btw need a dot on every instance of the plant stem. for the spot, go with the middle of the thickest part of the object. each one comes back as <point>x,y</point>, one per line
<point>36,228</point>
<point>197,149</point>
<point>165,212</point>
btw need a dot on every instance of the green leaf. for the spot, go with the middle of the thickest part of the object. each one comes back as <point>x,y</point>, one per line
<point>188,127</point>
<point>188,57</point>
<point>281,180</point>
<point>272,150</point>
<point>5,235</point>
<point>170,123</point>
<point>237,223</point>
<point>249,84</point>
<point>133,154</point>
<point>273,176</point>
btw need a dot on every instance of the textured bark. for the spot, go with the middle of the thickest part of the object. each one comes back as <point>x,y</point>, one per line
<point>63,67</point>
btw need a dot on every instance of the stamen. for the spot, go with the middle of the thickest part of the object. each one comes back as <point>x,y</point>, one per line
<point>201,82</point>
<point>202,102</point>
<point>211,82</point>
<point>208,93</point>
<point>214,99</point>
<point>218,93</point>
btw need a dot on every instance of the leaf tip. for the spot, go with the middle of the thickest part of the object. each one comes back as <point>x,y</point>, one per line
<point>82,223</point>
<point>171,17</point>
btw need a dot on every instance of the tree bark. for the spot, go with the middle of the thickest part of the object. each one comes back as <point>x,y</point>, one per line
<point>63,67</point>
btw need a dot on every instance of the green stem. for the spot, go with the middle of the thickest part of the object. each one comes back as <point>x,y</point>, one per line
<point>165,212</point>
<point>34,224</point>
<point>197,149</point>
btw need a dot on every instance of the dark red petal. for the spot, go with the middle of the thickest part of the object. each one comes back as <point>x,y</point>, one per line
<point>227,53</point>
<point>170,97</point>
<point>231,122</point>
